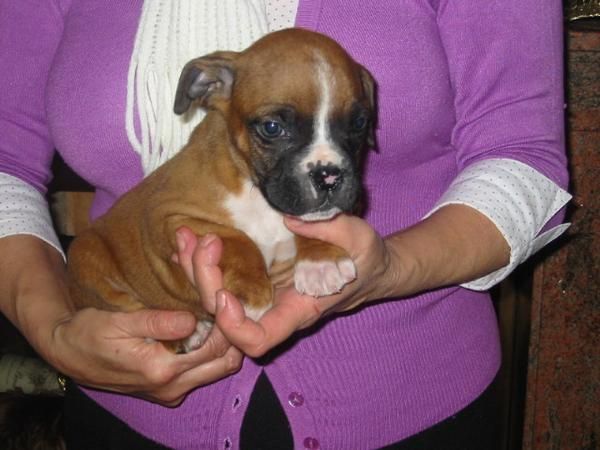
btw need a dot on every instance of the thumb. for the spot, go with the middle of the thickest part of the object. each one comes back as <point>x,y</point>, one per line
<point>340,231</point>
<point>159,325</point>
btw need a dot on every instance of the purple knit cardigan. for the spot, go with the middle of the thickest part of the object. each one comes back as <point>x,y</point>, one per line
<point>458,82</point>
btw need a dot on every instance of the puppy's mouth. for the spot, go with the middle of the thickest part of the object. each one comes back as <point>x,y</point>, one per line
<point>296,195</point>
<point>320,215</point>
<point>324,211</point>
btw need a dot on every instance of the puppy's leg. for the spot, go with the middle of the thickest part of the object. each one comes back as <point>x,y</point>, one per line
<point>96,281</point>
<point>94,278</point>
<point>321,268</point>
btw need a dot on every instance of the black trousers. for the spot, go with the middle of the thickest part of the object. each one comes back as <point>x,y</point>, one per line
<point>89,427</point>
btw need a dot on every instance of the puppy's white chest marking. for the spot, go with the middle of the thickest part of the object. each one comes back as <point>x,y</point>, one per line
<point>252,214</point>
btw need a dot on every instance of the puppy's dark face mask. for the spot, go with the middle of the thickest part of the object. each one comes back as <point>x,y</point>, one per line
<point>306,168</point>
<point>300,113</point>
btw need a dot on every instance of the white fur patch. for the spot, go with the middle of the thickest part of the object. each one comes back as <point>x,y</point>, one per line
<point>122,289</point>
<point>323,149</point>
<point>320,278</point>
<point>321,215</point>
<point>254,216</point>
<point>199,336</point>
<point>255,313</point>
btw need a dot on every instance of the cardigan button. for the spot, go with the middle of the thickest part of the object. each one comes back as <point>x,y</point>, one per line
<point>237,402</point>
<point>295,399</point>
<point>311,443</point>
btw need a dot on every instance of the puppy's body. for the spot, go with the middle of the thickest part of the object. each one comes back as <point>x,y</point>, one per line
<point>286,124</point>
<point>134,242</point>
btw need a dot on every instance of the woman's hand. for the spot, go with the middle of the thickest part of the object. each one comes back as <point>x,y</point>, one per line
<point>119,352</point>
<point>453,245</point>
<point>100,349</point>
<point>292,311</point>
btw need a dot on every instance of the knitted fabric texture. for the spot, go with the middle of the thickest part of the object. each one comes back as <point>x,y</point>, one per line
<point>169,35</point>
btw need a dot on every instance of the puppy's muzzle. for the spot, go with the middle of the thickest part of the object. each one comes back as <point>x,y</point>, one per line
<point>326,178</point>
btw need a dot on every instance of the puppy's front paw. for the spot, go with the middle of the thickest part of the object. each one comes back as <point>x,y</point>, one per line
<point>198,337</point>
<point>325,277</point>
<point>254,292</point>
<point>192,342</point>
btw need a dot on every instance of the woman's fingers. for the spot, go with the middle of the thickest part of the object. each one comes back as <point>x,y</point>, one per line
<point>290,313</point>
<point>111,351</point>
<point>213,361</point>
<point>207,273</point>
<point>156,324</point>
<point>199,259</point>
<point>200,375</point>
<point>341,230</point>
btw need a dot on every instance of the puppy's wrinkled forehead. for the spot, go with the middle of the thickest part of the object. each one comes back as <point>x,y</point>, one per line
<point>298,69</point>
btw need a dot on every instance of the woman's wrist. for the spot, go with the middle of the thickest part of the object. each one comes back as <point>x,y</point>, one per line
<point>454,245</point>
<point>405,272</point>
<point>34,290</point>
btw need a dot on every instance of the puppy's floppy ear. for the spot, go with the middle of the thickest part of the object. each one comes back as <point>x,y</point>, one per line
<point>370,92</point>
<point>208,79</point>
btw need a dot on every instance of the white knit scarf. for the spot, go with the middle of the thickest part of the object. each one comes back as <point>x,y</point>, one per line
<point>170,33</point>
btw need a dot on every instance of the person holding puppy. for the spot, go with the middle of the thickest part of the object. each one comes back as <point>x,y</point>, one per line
<point>467,180</point>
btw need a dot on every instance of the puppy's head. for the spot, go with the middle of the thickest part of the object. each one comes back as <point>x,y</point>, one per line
<point>300,113</point>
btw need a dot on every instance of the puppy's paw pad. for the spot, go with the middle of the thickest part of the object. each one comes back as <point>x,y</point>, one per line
<point>320,278</point>
<point>197,338</point>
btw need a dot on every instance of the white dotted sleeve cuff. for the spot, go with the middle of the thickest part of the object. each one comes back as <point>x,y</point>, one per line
<point>24,210</point>
<point>518,199</point>
<point>281,13</point>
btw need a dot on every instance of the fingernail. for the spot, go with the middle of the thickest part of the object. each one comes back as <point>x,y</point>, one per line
<point>207,240</point>
<point>180,240</point>
<point>221,301</point>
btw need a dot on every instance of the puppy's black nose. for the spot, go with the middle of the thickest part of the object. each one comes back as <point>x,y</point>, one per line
<point>326,178</point>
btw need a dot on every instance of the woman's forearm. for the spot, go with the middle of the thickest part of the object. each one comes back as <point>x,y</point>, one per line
<point>454,245</point>
<point>33,291</point>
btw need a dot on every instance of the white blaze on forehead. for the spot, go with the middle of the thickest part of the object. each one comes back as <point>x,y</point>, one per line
<point>326,83</point>
<point>252,214</point>
<point>323,148</point>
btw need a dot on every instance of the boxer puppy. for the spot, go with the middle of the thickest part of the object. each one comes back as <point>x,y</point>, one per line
<point>287,123</point>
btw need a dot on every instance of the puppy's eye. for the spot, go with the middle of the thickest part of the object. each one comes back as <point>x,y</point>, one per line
<point>270,129</point>
<point>359,123</point>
